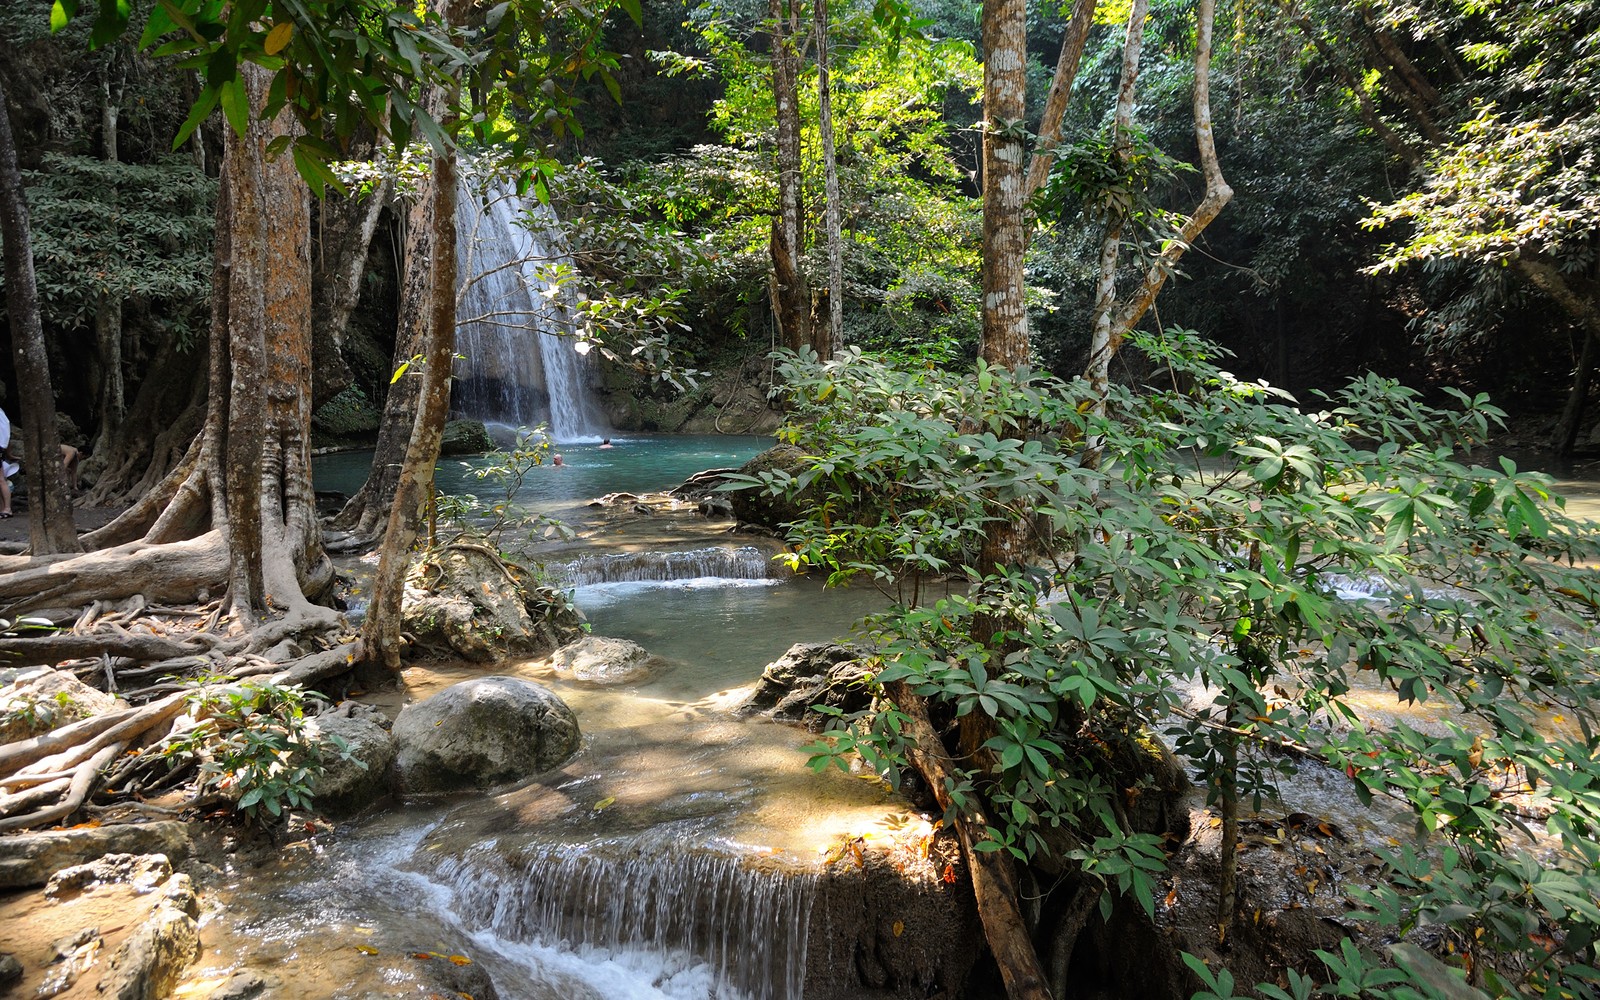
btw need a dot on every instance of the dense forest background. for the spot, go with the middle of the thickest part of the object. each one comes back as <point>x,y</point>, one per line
<point>1323,113</point>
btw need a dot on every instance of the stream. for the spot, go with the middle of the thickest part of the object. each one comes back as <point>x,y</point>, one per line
<point>679,853</point>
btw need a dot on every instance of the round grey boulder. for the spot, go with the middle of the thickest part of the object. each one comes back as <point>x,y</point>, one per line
<point>354,777</point>
<point>598,660</point>
<point>481,733</point>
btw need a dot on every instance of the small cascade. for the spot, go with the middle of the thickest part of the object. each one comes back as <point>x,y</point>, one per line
<point>744,563</point>
<point>520,364</point>
<point>748,926</point>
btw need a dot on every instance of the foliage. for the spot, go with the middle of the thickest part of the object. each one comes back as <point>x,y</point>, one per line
<point>252,745</point>
<point>503,471</point>
<point>1502,190</point>
<point>695,226</point>
<point>340,65</point>
<point>129,233</point>
<point>1207,576</point>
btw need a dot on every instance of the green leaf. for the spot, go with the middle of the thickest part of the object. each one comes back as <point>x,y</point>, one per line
<point>235,100</point>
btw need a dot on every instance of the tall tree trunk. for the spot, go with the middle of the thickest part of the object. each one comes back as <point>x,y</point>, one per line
<point>366,514</point>
<point>833,343</point>
<point>380,634</point>
<point>791,293</point>
<point>248,474</point>
<point>108,308</point>
<point>345,229</point>
<point>1111,322</point>
<point>1566,436</point>
<point>1005,194</point>
<point>1578,300</point>
<point>50,525</point>
<point>1055,105</point>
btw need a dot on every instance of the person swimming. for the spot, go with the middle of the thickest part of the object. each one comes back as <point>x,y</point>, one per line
<point>605,442</point>
<point>557,460</point>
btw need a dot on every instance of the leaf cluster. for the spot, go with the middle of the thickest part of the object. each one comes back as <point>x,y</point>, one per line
<point>1243,573</point>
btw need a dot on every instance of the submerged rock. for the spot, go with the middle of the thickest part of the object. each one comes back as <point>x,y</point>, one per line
<point>465,601</point>
<point>482,732</point>
<point>811,673</point>
<point>598,660</point>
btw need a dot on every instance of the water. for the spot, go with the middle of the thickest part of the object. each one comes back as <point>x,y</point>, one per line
<point>677,856</point>
<point>638,463</point>
<point>518,328</point>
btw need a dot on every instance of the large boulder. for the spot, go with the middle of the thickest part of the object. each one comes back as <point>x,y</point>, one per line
<point>465,601</point>
<point>811,673</point>
<point>755,506</point>
<point>482,732</point>
<point>38,700</point>
<point>354,778</point>
<point>599,660</point>
<point>465,437</point>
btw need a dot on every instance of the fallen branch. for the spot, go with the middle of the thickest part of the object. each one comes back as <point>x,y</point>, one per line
<point>123,725</point>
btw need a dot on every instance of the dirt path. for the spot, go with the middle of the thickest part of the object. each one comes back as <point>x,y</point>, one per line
<point>14,530</point>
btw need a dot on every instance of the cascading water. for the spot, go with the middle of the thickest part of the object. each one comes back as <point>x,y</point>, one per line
<point>746,927</point>
<point>747,562</point>
<point>520,364</point>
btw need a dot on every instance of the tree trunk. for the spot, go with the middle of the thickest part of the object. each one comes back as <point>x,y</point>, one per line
<point>1111,324</point>
<point>791,292</point>
<point>1055,105</point>
<point>1578,303</point>
<point>1005,194</point>
<point>50,525</point>
<point>833,342</point>
<point>108,311</point>
<point>380,635</point>
<point>366,514</point>
<point>993,882</point>
<point>344,235</point>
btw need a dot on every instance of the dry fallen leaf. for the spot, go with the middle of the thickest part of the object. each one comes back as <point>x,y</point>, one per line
<point>366,949</point>
<point>899,928</point>
<point>460,960</point>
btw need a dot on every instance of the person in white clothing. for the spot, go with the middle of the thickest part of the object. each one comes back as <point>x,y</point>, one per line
<point>8,468</point>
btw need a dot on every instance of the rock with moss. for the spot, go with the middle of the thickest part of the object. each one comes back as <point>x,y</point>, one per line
<point>465,437</point>
<point>465,601</point>
<point>348,416</point>
<point>810,674</point>
<point>756,506</point>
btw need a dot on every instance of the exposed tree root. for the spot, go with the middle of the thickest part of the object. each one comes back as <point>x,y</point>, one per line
<point>83,780</point>
<point>176,572</point>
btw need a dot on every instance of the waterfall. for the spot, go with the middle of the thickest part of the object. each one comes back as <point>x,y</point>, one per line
<point>520,365</point>
<point>749,926</point>
<point>744,563</point>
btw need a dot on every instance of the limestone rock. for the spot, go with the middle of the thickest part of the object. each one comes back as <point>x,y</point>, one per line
<point>600,660</point>
<point>811,673</point>
<point>150,962</point>
<point>482,732</point>
<point>346,786</point>
<point>10,971</point>
<point>755,507</point>
<point>28,859</point>
<point>466,602</point>
<point>141,871</point>
<point>40,700</point>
